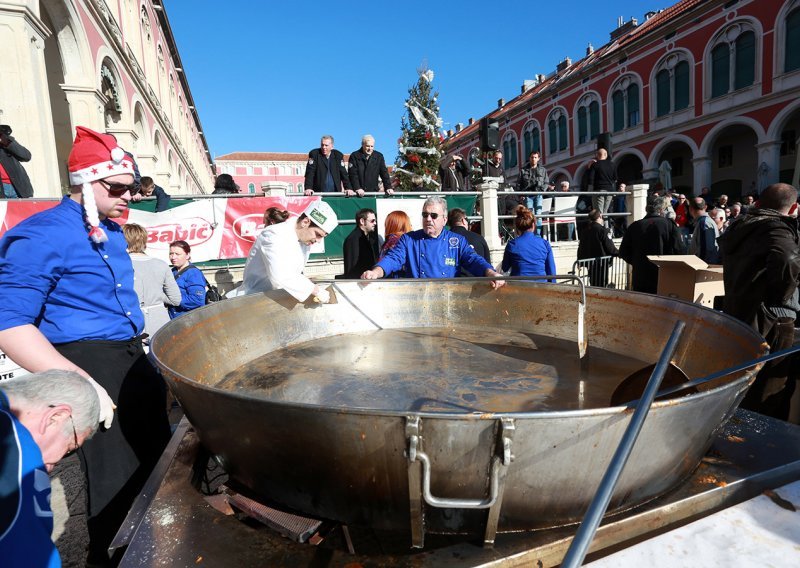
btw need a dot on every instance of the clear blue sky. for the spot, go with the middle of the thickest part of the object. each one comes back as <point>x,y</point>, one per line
<point>272,76</point>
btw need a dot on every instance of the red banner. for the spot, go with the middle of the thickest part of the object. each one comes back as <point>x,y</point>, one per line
<point>244,221</point>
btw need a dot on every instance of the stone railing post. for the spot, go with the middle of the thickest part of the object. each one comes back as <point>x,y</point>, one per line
<point>491,222</point>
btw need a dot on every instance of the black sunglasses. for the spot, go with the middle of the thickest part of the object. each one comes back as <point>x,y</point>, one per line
<point>119,189</point>
<point>425,215</point>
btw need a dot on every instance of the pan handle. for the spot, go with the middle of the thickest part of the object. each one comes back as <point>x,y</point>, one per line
<point>446,502</point>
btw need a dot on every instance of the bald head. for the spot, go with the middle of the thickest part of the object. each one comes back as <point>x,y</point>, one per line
<point>779,196</point>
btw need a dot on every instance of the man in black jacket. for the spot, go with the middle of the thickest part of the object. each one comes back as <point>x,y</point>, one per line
<point>14,177</point>
<point>453,171</point>
<point>602,177</point>
<point>459,224</point>
<point>326,171</point>
<point>366,166</point>
<point>761,273</point>
<point>653,235</point>
<point>362,246</point>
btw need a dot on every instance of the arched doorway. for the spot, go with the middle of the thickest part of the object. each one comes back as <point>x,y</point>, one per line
<point>679,156</point>
<point>790,139</point>
<point>734,162</point>
<point>629,169</point>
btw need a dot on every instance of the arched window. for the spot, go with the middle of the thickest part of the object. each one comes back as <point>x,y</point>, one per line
<point>557,131</point>
<point>672,84</point>
<point>509,151</point>
<point>588,119</point>
<point>251,187</point>
<point>625,104</point>
<point>531,139</point>
<point>792,43</point>
<point>733,60</point>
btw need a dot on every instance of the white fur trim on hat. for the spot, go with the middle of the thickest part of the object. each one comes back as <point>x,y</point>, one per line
<point>102,170</point>
<point>322,215</point>
<point>96,233</point>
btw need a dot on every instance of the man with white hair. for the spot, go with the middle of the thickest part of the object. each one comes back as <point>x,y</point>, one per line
<point>718,216</point>
<point>43,417</point>
<point>366,167</point>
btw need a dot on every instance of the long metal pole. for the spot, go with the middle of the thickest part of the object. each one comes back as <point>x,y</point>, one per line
<point>597,508</point>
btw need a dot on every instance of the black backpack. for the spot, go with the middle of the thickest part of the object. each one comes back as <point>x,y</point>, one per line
<point>212,292</point>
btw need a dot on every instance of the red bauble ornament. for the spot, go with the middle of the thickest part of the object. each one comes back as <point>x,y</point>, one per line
<point>413,158</point>
<point>427,136</point>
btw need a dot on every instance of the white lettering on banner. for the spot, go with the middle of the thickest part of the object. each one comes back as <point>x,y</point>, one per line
<point>200,223</point>
<point>193,231</point>
<point>248,227</point>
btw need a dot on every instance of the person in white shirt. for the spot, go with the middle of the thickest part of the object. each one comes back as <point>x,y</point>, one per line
<point>281,251</point>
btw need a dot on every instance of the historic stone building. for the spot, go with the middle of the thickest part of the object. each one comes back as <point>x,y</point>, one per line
<point>710,88</point>
<point>252,169</point>
<point>110,65</point>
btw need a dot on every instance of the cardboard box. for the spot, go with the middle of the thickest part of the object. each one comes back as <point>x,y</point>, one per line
<point>686,277</point>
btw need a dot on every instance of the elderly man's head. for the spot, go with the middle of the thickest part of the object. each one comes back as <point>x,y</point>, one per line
<point>326,145</point>
<point>59,408</point>
<point>434,216</point>
<point>778,196</point>
<point>368,144</point>
<point>718,215</point>
<point>697,207</point>
<point>657,206</point>
<point>564,185</point>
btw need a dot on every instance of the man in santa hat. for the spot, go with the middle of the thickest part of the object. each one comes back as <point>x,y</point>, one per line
<point>69,303</point>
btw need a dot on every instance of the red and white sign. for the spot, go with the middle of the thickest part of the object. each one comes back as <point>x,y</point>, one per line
<point>214,228</point>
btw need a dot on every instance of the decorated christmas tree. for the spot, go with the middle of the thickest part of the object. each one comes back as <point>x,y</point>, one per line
<point>419,146</point>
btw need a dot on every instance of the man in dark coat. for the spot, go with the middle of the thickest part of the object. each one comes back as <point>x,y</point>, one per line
<point>453,171</point>
<point>596,244</point>
<point>366,166</point>
<point>761,273</point>
<point>14,177</point>
<point>653,235</point>
<point>326,171</point>
<point>602,177</point>
<point>362,246</point>
<point>459,224</point>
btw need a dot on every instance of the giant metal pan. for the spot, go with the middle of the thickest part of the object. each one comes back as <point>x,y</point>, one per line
<point>449,470</point>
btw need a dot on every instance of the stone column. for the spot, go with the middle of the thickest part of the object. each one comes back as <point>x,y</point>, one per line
<point>274,188</point>
<point>24,94</point>
<point>702,173</point>
<point>85,106</point>
<point>491,221</point>
<point>636,201</point>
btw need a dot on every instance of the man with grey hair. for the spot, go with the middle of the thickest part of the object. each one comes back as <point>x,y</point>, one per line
<point>703,243</point>
<point>652,235</point>
<point>433,251</point>
<point>43,417</point>
<point>326,171</point>
<point>366,167</point>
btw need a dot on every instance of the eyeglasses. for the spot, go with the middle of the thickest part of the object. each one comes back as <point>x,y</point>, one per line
<point>425,215</point>
<point>119,189</point>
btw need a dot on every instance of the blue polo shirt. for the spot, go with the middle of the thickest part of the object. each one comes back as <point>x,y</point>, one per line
<point>26,520</point>
<point>433,257</point>
<point>52,275</point>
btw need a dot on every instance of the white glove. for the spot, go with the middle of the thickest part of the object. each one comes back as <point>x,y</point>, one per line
<point>107,405</point>
<point>324,296</point>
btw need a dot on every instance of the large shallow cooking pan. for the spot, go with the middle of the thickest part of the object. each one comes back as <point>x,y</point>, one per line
<point>443,405</point>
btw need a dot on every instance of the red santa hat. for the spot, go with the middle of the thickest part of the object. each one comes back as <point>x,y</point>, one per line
<point>95,156</point>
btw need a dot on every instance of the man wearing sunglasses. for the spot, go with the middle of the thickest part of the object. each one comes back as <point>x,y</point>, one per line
<point>433,251</point>
<point>69,303</point>
<point>43,417</point>
<point>362,246</point>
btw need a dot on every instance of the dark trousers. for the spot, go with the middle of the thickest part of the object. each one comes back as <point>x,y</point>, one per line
<point>118,461</point>
<point>772,391</point>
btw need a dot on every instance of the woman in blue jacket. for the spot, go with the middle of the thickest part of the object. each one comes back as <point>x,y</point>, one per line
<point>528,254</point>
<point>189,278</point>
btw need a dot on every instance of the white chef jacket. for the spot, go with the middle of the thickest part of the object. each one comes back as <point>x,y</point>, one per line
<point>276,262</point>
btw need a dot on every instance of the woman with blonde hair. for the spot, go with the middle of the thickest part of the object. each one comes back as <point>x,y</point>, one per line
<point>528,254</point>
<point>153,280</point>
